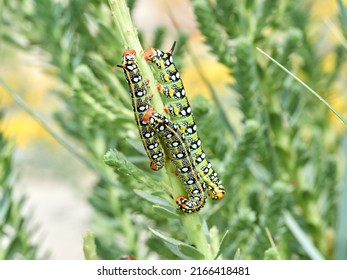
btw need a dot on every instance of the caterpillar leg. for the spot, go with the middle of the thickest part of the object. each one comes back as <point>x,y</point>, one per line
<point>215,189</point>
<point>157,162</point>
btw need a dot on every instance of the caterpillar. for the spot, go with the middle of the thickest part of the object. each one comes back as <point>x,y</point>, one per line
<point>177,105</point>
<point>140,103</point>
<point>182,159</point>
<point>127,258</point>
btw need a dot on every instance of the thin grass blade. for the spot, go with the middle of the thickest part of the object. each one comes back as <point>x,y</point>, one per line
<point>302,237</point>
<point>321,99</point>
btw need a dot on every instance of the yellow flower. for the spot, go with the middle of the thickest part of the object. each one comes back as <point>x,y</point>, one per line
<point>216,73</point>
<point>338,102</point>
<point>33,88</point>
<point>324,8</point>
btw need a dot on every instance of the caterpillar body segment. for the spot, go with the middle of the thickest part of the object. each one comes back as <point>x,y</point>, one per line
<point>183,161</point>
<point>177,105</point>
<point>141,103</point>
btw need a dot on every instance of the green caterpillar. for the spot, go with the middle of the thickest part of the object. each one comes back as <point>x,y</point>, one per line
<point>140,102</point>
<point>177,105</point>
<point>182,159</point>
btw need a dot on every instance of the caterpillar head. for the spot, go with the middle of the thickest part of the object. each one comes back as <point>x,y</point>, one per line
<point>155,56</point>
<point>128,60</point>
<point>129,53</point>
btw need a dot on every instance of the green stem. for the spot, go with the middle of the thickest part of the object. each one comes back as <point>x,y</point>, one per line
<point>128,33</point>
<point>89,247</point>
<point>191,222</point>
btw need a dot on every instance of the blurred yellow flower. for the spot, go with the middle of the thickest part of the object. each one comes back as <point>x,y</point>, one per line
<point>338,101</point>
<point>325,8</point>
<point>23,128</point>
<point>328,62</point>
<point>215,73</point>
<point>33,86</point>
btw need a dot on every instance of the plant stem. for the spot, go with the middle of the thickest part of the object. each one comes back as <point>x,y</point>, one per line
<point>89,247</point>
<point>190,222</point>
<point>128,33</point>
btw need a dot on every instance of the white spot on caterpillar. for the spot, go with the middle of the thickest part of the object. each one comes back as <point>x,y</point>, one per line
<point>175,144</point>
<point>179,155</point>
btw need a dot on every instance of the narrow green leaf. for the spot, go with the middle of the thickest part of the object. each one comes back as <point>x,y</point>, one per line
<point>237,255</point>
<point>226,240</point>
<point>304,240</point>
<point>341,227</point>
<point>181,249</point>
<point>174,249</point>
<point>5,204</point>
<point>190,251</point>
<point>10,250</point>
<point>152,198</point>
<point>166,238</point>
<point>136,145</point>
<point>165,212</point>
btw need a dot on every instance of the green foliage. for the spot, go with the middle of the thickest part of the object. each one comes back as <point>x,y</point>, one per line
<point>279,154</point>
<point>279,166</point>
<point>15,235</point>
<point>271,254</point>
<point>214,32</point>
<point>341,227</point>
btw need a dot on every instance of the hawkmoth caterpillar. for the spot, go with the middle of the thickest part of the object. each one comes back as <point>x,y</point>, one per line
<point>177,105</point>
<point>182,159</point>
<point>127,258</point>
<point>140,103</point>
